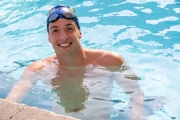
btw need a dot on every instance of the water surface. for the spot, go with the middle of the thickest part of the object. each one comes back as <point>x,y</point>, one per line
<point>145,33</point>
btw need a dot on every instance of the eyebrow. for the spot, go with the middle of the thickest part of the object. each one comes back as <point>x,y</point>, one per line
<point>66,25</point>
<point>69,24</point>
<point>54,27</point>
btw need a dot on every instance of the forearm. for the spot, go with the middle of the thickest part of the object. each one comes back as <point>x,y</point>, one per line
<point>136,106</point>
<point>128,80</point>
<point>19,91</point>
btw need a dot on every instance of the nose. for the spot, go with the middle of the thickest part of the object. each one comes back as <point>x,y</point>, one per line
<point>63,36</point>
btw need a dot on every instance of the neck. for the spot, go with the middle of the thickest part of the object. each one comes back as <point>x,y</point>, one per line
<point>77,58</point>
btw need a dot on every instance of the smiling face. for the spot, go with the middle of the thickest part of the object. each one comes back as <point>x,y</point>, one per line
<point>64,36</point>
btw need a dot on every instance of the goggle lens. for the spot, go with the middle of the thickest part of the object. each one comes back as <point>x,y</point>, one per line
<point>68,15</point>
<point>55,17</point>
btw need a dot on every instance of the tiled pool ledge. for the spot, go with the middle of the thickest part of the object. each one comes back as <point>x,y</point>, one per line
<point>15,111</point>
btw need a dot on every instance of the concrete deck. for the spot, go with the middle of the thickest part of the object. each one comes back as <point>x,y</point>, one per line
<point>15,111</point>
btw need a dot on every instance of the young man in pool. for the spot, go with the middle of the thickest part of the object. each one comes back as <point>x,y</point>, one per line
<point>81,79</point>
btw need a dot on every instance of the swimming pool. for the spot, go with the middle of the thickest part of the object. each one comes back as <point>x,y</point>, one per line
<point>145,33</point>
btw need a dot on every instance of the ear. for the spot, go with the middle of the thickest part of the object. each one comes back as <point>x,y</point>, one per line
<point>49,39</point>
<point>80,34</point>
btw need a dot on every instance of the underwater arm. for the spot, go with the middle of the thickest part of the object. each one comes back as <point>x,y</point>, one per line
<point>128,81</point>
<point>28,79</point>
<point>21,88</point>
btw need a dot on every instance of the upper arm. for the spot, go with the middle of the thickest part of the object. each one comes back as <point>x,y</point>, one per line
<point>126,78</point>
<point>36,65</point>
<point>128,71</point>
<point>117,59</point>
<point>110,59</point>
<point>28,78</point>
<point>32,72</point>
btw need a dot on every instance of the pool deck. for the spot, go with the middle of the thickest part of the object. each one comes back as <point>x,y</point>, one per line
<point>15,111</point>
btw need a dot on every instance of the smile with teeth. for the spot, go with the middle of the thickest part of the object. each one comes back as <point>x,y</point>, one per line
<point>65,44</point>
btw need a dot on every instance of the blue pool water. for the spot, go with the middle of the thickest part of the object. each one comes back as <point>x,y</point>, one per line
<point>145,32</point>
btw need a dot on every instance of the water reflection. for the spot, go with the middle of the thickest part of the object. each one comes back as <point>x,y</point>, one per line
<point>79,91</point>
<point>68,86</point>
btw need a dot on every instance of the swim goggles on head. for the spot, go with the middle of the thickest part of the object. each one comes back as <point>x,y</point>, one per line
<point>61,11</point>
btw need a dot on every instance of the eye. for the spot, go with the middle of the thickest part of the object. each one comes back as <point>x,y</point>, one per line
<point>70,29</point>
<point>53,31</point>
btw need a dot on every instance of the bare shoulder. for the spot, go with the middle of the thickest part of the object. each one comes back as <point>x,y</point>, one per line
<point>38,65</point>
<point>106,58</point>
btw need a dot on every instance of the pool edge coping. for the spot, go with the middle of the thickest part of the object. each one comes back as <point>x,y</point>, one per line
<point>14,111</point>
